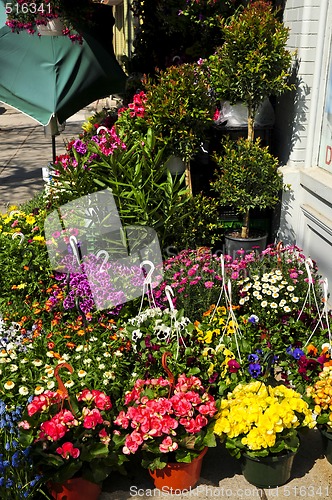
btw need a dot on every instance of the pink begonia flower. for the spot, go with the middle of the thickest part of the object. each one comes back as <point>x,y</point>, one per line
<point>208,284</point>
<point>168,445</point>
<point>52,430</point>
<point>194,425</point>
<point>133,441</point>
<point>100,399</point>
<point>24,424</point>
<point>104,437</point>
<point>92,418</point>
<point>67,450</point>
<point>181,406</point>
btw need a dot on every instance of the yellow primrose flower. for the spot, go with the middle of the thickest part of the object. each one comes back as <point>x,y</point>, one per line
<point>39,238</point>
<point>30,219</point>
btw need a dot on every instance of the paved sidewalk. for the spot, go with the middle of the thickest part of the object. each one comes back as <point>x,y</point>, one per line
<point>24,150</point>
<point>221,478</point>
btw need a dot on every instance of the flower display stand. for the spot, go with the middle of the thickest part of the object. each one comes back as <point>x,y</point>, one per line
<point>75,489</point>
<point>267,472</point>
<point>178,476</point>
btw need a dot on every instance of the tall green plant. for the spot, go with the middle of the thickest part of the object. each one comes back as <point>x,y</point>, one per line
<point>144,191</point>
<point>246,178</point>
<point>179,107</point>
<point>253,63</point>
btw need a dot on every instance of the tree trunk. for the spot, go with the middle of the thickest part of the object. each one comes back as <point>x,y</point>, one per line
<point>245,227</point>
<point>188,178</point>
<point>251,121</point>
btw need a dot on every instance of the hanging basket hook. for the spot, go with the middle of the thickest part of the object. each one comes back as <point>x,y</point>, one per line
<point>168,371</point>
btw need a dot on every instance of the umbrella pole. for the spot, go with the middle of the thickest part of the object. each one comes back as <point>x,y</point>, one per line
<point>53,148</point>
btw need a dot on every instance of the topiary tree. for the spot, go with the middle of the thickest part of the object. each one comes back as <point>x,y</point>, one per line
<point>246,178</point>
<point>253,63</point>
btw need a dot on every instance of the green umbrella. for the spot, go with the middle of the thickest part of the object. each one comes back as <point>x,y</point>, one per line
<point>50,76</point>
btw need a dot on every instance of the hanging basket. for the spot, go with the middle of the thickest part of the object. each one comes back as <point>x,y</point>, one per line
<point>267,472</point>
<point>177,476</point>
<point>53,27</point>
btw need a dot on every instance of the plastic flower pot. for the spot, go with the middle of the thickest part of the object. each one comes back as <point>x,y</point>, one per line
<point>234,243</point>
<point>75,489</point>
<point>178,476</point>
<point>327,444</point>
<point>267,472</point>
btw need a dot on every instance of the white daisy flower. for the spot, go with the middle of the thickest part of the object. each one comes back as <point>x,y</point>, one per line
<point>9,385</point>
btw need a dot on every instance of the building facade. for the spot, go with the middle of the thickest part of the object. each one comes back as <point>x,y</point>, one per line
<point>303,134</point>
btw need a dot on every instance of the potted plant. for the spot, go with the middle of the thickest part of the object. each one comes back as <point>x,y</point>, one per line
<point>253,63</point>
<point>179,107</point>
<point>31,15</point>
<point>320,400</point>
<point>259,423</point>
<point>169,423</point>
<point>246,178</point>
<point>70,439</point>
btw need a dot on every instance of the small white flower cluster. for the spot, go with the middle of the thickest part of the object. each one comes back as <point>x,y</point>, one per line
<point>269,291</point>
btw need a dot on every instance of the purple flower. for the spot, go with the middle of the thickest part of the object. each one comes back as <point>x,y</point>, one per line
<point>80,147</point>
<point>297,353</point>
<point>253,358</point>
<point>253,319</point>
<point>255,370</point>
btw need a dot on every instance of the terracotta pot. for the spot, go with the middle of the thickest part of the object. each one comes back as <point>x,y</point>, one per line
<point>267,472</point>
<point>178,476</point>
<point>75,489</point>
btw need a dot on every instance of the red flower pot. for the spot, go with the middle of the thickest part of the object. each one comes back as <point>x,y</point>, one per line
<point>178,476</point>
<point>75,489</point>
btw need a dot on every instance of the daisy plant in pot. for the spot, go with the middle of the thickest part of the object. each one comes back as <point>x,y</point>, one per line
<point>259,423</point>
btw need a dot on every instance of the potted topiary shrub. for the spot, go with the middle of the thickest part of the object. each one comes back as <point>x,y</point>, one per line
<point>246,178</point>
<point>253,63</point>
<point>179,108</point>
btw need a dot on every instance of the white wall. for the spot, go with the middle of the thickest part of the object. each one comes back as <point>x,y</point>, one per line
<point>307,208</point>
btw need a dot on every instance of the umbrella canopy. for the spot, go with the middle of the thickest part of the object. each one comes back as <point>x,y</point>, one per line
<point>47,76</point>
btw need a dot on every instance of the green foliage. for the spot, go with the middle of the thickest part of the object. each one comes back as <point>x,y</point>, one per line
<point>144,191</point>
<point>195,224</point>
<point>253,62</point>
<point>180,108</point>
<point>246,177</point>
